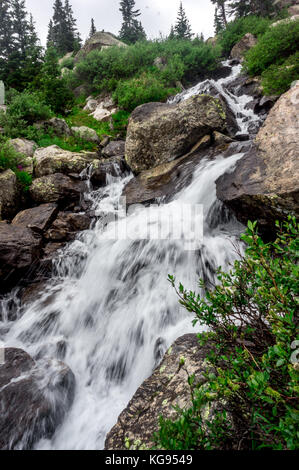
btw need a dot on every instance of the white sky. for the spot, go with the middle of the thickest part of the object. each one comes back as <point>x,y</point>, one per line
<point>157,15</point>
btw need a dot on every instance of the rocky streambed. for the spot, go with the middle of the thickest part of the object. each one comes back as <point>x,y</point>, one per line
<point>74,293</point>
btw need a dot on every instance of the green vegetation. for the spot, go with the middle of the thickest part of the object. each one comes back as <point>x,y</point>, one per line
<point>112,69</point>
<point>277,78</point>
<point>236,29</point>
<point>10,159</point>
<point>252,315</point>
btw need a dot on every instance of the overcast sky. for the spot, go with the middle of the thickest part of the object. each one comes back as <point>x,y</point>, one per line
<point>157,15</point>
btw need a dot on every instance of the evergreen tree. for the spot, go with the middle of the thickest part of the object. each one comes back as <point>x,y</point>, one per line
<point>171,34</point>
<point>50,37</point>
<point>241,8</point>
<point>221,6</point>
<point>182,28</point>
<point>6,36</point>
<point>93,29</point>
<point>62,32</point>
<point>132,29</point>
<point>218,22</point>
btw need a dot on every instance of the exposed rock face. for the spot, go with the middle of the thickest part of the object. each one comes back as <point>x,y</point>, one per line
<point>115,166</point>
<point>295,17</point>
<point>9,194</point>
<point>33,399</point>
<point>38,218</point>
<point>240,49</point>
<point>58,126</point>
<point>159,133</point>
<point>99,41</point>
<point>265,183</point>
<point>166,388</point>
<point>19,250</point>
<point>114,149</point>
<point>53,159</point>
<point>86,133</point>
<point>67,225</point>
<point>26,147</point>
<point>56,188</point>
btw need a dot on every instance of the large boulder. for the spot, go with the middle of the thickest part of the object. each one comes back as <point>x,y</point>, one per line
<point>264,185</point>
<point>115,148</point>
<point>99,41</point>
<point>57,126</point>
<point>114,166</point>
<point>37,218</point>
<point>19,250</point>
<point>243,46</point>
<point>86,133</point>
<point>26,147</point>
<point>160,393</point>
<point>56,188</point>
<point>67,225</point>
<point>34,399</point>
<point>53,159</point>
<point>9,195</point>
<point>159,133</point>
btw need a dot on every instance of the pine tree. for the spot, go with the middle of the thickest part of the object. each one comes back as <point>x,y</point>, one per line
<point>50,37</point>
<point>182,28</point>
<point>6,36</point>
<point>171,34</point>
<point>218,22</point>
<point>221,6</point>
<point>132,29</point>
<point>93,29</point>
<point>241,8</point>
<point>62,32</point>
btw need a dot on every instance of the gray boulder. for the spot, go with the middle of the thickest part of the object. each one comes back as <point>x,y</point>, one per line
<point>159,133</point>
<point>37,218</point>
<point>86,133</point>
<point>56,188</point>
<point>243,46</point>
<point>9,195</point>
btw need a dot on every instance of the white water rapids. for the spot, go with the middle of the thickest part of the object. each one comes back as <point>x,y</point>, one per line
<point>109,306</point>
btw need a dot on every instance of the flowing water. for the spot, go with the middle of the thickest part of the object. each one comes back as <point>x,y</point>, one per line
<point>109,311</point>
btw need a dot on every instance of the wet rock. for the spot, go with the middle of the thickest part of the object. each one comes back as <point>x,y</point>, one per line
<point>160,393</point>
<point>38,218</point>
<point>19,251</point>
<point>114,149</point>
<point>53,159</point>
<point>67,225</point>
<point>159,133</point>
<point>115,166</point>
<point>9,194</point>
<point>264,185</point>
<point>34,399</point>
<point>243,46</point>
<point>56,188</point>
<point>221,141</point>
<point>87,134</point>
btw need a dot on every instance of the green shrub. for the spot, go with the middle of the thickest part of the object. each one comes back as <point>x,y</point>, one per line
<point>131,93</point>
<point>236,29</point>
<point>68,63</point>
<point>277,79</point>
<point>72,143</point>
<point>274,47</point>
<point>10,159</point>
<point>252,315</point>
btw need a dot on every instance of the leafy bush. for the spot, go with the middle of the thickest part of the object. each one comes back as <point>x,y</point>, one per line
<point>68,63</point>
<point>253,317</point>
<point>10,159</point>
<point>277,79</point>
<point>131,93</point>
<point>236,29</point>
<point>72,143</point>
<point>274,47</point>
<point>23,110</point>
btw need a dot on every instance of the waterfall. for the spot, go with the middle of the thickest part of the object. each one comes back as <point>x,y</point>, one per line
<point>109,312</point>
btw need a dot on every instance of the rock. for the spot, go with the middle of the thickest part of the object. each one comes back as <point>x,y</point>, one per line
<point>102,114</point>
<point>56,188</point>
<point>212,41</point>
<point>91,105</point>
<point>243,46</point>
<point>86,133</point>
<point>285,20</point>
<point>9,194</point>
<point>264,185</point>
<point>160,63</point>
<point>82,90</point>
<point>65,57</point>
<point>53,159</point>
<point>38,218</point>
<point>114,149</point>
<point>26,147</point>
<point>19,250</point>
<point>165,180</point>
<point>166,388</point>
<point>115,166</point>
<point>99,41</point>
<point>67,225</point>
<point>159,133</point>
<point>34,399</point>
<point>294,10</point>
<point>221,141</point>
<point>58,126</point>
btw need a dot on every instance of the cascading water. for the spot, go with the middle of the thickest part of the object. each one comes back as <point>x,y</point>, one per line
<point>109,312</point>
